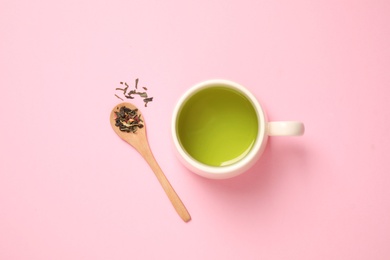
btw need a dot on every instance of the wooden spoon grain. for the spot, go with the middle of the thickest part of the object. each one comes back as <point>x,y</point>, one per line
<point>140,142</point>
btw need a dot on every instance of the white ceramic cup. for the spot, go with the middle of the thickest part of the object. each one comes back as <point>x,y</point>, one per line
<point>265,129</point>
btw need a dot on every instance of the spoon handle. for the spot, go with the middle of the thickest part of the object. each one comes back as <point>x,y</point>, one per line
<point>172,195</point>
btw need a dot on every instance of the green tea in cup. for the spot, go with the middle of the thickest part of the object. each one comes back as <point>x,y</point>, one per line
<point>217,126</point>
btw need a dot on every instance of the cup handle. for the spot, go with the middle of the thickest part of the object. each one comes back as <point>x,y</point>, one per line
<point>285,128</point>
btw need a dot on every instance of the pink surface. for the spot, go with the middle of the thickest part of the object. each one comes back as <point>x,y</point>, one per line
<point>71,189</point>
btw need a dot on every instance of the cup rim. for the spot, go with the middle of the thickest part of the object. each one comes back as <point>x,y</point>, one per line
<point>228,170</point>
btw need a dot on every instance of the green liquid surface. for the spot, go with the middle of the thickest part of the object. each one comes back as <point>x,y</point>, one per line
<point>217,126</point>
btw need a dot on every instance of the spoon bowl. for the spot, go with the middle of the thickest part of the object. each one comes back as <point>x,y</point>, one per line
<point>139,141</point>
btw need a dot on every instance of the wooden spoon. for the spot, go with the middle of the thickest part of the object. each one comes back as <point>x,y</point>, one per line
<point>140,142</point>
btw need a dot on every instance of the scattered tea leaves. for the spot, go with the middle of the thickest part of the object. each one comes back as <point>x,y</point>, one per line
<point>142,94</point>
<point>119,97</point>
<point>147,100</point>
<point>130,94</point>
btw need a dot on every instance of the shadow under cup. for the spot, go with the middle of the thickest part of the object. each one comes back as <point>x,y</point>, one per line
<point>217,128</point>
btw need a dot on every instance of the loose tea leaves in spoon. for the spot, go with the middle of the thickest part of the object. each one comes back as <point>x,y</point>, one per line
<point>128,120</point>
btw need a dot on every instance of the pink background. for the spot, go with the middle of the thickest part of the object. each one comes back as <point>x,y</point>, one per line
<point>71,189</point>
